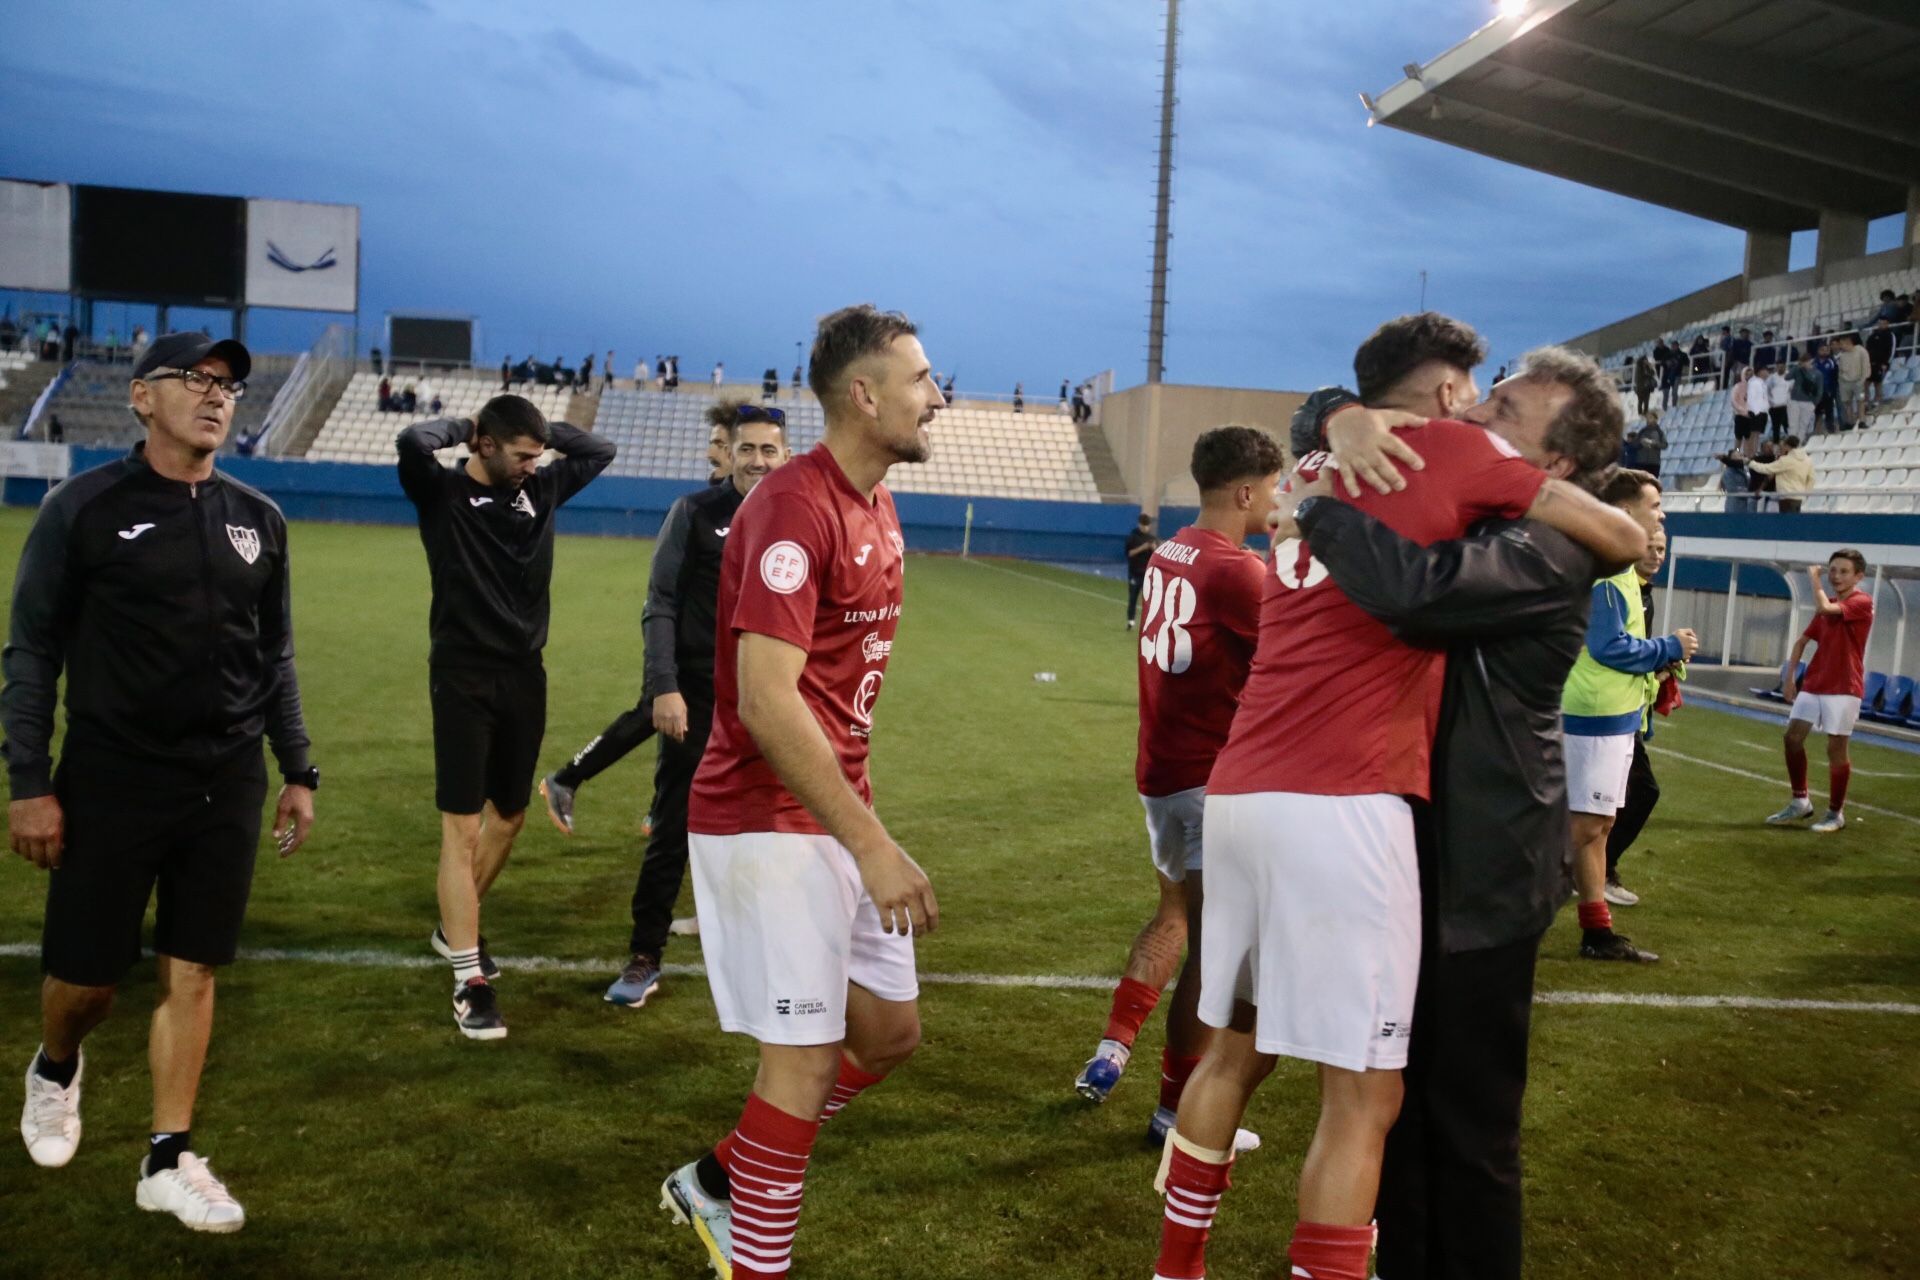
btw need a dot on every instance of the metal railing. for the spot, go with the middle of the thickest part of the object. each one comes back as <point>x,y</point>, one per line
<point>322,370</point>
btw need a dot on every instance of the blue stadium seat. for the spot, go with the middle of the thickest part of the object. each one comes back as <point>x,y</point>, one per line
<point>1773,694</point>
<point>1896,704</point>
<point>1875,687</point>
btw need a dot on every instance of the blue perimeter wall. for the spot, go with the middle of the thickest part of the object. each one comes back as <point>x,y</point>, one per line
<point>1061,532</point>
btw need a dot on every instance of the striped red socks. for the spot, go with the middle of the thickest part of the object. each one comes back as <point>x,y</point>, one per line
<point>1838,776</point>
<point>1322,1252</point>
<point>1133,1001</point>
<point>1596,915</point>
<point>1173,1078</point>
<point>851,1084</point>
<point>1193,1182</point>
<point>766,1161</point>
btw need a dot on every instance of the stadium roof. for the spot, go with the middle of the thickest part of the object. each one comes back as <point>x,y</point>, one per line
<point>1754,113</point>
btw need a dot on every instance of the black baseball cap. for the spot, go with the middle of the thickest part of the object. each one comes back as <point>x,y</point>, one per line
<point>185,350</point>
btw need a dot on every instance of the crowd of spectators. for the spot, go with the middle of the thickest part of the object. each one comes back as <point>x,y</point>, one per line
<point>46,339</point>
<point>1727,360</point>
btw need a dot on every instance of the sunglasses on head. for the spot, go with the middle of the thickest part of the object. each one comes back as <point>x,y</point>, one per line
<point>755,413</point>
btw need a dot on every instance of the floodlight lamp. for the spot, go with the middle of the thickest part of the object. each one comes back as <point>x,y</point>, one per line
<point>1512,8</point>
<point>1411,71</point>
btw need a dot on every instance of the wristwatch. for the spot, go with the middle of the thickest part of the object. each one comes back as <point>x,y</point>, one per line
<point>308,778</point>
<point>1304,511</point>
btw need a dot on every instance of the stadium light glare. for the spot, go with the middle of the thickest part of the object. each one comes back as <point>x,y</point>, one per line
<point>1512,8</point>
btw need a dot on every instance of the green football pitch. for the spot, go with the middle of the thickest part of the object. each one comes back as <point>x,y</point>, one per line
<point>1693,1128</point>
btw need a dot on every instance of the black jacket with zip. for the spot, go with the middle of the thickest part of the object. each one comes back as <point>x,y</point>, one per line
<point>167,605</point>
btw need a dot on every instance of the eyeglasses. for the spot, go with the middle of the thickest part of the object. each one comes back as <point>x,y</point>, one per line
<point>198,381</point>
<point>754,413</point>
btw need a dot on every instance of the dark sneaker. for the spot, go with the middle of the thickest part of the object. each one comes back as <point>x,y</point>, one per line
<point>488,969</point>
<point>476,1011</point>
<point>1614,946</point>
<point>559,803</point>
<point>640,979</point>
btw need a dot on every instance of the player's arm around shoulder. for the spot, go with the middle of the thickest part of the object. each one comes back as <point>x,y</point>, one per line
<point>783,727</point>
<point>1615,538</point>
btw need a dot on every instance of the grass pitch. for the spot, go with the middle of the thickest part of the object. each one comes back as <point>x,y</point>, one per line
<point>367,1138</point>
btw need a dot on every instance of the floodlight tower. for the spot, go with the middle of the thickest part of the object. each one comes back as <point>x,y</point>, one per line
<point>1157,306</point>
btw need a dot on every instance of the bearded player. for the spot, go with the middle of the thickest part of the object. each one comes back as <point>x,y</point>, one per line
<point>807,907</point>
<point>1202,592</point>
<point>1312,943</point>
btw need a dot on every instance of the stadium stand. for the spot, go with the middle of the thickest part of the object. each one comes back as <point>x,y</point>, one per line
<point>22,379</point>
<point>92,406</point>
<point>357,431</point>
<point>981,449</point>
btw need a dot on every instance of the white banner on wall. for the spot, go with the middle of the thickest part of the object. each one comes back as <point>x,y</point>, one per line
<point>304,256</point>
<point>36,236</point>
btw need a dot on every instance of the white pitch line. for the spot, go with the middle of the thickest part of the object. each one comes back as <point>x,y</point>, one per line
<point>374,959</point>
<point>1034,577</point>
<point>1776,780</point>
<point>1773,748</point>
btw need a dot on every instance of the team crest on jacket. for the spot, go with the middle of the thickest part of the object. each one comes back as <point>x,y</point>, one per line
<point>245,541</point>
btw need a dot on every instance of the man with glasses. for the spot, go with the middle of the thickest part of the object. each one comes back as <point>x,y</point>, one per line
<point>676,699</point>
<point>160,586</point>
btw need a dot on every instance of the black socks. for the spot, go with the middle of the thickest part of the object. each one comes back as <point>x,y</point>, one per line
<point>712,1177</point>
<point>164,1150</point>
<point>61,1073</point>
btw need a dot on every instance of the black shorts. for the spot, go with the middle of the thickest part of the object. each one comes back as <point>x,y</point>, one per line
<point>487,727</point>
<point>125,835</point>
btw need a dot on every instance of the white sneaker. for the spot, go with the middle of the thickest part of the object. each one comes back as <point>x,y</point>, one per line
<point>1832,822</point>
<point>1797,808</point>
<point>190,1193</point>
<point>50,1121</point>
<point>1619,895</point>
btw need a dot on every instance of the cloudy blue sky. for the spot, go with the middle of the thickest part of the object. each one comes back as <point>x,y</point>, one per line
<point>708,178</point>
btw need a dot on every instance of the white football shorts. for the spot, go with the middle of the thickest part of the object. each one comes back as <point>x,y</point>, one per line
<point>785,925</point>
<point>1173,831</point>
<point>1833,714</point>
<point>1313,916</point>
<point>1597,769</point>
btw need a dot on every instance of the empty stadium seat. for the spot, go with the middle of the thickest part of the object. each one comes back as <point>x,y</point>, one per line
<point>1896,702</point>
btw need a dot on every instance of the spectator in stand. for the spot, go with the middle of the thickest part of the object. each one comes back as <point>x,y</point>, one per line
<point>386,394</point>
<point>1759,402</point>
<point>1079,405</point>
<point>1673,367</point>
<point>1644,381</point>
<point>1725,348</point>
<point>584,380</point>
<point>642,373</point>
<point>69,339</point>
<point>1827,408</point>
<point>606,372</point>
<point>1889,307</point>
<point>1651,442</point>
<point>9,332</point>
<point>1779,397</point>
<point>1741,349</point>
<point>410,398</point>
<point>719,375</point>
<point>1700,355</point>
<point>1063,395</point>
<point>1734,481</point>
<point>770,386</point>
<point>506,373</point>
<point>793,389</point>
<point>1766,355</point>
<point>659,373</point>
<point>138,347</point>
<point>1744,433</point>
<point>1140,545</point>
<point>1500,376</point>
<point>1792,473</point>
<point>1760,485</point>
<point>1853,367</point>
<point>56,434</point>
<point>378,365</point>
<point>673,373</point>
<point>113,346</point>
<point>947,389</point>
<point>433,405</point>
<point>1879,346</point>
<point>1020,406</point>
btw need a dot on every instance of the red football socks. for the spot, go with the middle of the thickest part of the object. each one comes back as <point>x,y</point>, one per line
<point>1173,1077</point>
<point>851,1084</point>
<point>766,1161</point>
<point>1322,1252</point>
<point>1838,776</point>
<point>1194,1187</point>
<point>1596,915</point>
<point>1132,1002</point>
<point>1797,769</point>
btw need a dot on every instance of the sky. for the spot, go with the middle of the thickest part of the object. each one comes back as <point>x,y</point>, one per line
<point>708,179</point>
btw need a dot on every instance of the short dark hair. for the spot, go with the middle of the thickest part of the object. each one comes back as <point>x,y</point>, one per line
<point>1226,455</point>
<point>1403,344</point>
<point>511,417</point>
<point>1145,520</point>
<point>1793,442</point>
<point>1848,553</point>
<point>848,335</point>
<point>1588,429</point>
<point>1625,485</point>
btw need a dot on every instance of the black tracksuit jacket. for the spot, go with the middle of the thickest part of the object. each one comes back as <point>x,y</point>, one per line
<point>167,605</point>
<point>683,592</point>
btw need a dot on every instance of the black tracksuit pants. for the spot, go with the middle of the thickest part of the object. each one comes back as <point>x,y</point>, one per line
<point>1643,793</point>
<point>664,866</point>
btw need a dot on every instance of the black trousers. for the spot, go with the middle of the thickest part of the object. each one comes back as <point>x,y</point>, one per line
<point>664,866</point>
<point>610,745</point>
<point>1449,1206</point>
<point>1643,793</point>
<point>1133,593</point>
